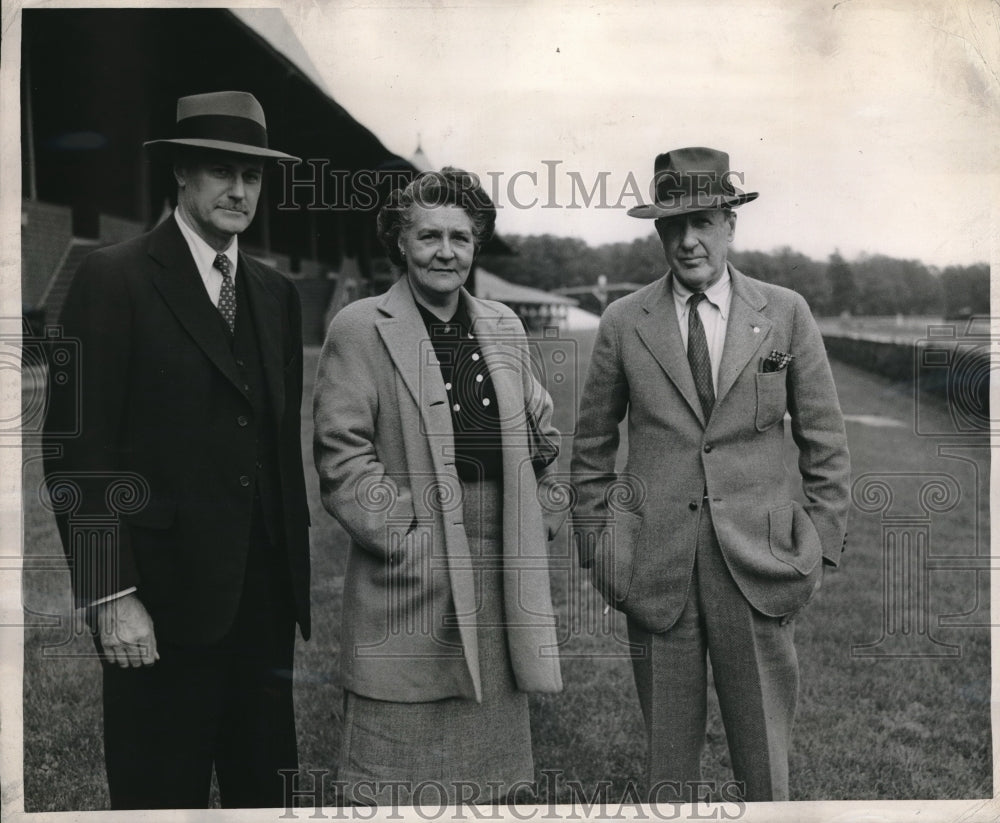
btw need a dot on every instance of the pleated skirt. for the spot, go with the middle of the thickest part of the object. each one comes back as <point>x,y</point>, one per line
<point>452,750</point>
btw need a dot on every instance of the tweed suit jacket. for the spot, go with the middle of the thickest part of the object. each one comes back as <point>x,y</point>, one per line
<point>163,434</point>
<point>383,439</point>
<point>636,530</point>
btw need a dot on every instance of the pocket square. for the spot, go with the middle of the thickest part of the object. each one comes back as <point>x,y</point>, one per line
<point>776,361</point>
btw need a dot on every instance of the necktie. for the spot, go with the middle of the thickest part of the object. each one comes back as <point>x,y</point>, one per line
<point>698,359</point>
<point>227,294</point>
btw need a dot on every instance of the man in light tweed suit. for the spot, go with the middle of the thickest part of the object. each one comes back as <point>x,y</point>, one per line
<point>699,541</point>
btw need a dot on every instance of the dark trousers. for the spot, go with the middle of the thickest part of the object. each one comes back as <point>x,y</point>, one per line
<point>756,679</point>
<point>227,704</point>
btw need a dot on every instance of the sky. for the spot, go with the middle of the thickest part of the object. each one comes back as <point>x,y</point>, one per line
<point>867,127</point>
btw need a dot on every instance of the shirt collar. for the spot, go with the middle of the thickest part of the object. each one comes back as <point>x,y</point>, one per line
<point>459,319</point>
<point>204,254</point>
<point>718,294</point>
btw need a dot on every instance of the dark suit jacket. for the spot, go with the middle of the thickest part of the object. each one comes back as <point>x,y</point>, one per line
<point>164,441</point>
<point>638,529</point>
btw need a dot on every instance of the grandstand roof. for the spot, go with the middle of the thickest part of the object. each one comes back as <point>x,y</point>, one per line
<point>492,287</point>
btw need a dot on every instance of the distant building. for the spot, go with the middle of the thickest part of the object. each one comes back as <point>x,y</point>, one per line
<point>596,298</point>
<point>537,309</point>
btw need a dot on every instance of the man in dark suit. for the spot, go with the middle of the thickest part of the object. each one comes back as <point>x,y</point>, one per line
<point>189,427</point>
<point>698,541</point>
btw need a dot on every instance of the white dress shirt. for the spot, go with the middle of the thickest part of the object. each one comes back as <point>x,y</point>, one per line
<point>204,257</point>
<point>714,314</point>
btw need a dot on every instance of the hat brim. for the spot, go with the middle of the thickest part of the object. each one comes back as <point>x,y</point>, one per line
<point>655,210</point>
<point>224,145</point>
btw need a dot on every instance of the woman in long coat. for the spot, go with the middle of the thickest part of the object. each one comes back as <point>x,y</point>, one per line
<point>434,445</point>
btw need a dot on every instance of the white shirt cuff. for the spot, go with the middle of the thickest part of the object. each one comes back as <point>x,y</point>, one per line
<point>115,596</point>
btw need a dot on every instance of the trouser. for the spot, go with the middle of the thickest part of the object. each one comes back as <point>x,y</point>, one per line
<point>227,704</point>
<point>755,670</point>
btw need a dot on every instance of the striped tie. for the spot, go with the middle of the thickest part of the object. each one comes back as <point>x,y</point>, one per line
<point>227,294</point>
<point>698,359</point>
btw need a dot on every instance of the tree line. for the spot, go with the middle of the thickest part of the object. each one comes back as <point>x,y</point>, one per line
<point>866,285</point>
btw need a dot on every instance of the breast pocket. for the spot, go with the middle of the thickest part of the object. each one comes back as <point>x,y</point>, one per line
<point>772,399</point>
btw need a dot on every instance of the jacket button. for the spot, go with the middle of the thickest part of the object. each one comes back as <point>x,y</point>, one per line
<point>708,448</point>
<point>242,420</point>
<point>693,506</point>
<point>244,481</point>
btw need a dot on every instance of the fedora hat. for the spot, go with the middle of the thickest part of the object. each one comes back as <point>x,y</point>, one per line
<point>230,121</point>
<point>692,179</point>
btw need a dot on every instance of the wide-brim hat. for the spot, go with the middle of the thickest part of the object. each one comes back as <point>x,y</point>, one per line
<point>692,179</point>
<point>231,121</point>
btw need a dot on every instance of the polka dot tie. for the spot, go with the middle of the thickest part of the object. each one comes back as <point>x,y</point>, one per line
<point>698,359</point>
<point>227,294</point>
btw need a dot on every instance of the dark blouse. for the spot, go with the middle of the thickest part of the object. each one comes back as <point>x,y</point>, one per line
<point>471,396</point>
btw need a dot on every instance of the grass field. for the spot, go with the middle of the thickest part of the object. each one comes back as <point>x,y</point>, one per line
<point>868,727</point>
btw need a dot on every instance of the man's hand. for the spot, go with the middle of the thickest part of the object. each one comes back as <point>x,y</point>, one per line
<point>125,630</point>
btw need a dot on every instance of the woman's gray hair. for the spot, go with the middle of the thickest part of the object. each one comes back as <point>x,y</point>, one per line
<point>448,187</point>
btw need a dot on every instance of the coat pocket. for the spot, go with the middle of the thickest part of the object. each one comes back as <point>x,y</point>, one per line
<point>407,550</point>
<point>793,538</point>
<point>152,536</point>
<point>615,561</point>
<point>772,399</point>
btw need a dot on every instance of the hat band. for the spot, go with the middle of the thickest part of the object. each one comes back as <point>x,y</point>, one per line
<point>223,127</point>
<point>700,186</point>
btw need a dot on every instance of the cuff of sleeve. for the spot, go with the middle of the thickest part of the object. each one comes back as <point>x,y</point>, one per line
<point>110,597</point>
<point>834,560</point>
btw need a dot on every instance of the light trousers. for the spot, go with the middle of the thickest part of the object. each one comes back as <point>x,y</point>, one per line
<point>755,670</point>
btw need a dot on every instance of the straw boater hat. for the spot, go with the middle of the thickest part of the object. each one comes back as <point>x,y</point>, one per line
<point>231,121</point>
<point>693,179</point>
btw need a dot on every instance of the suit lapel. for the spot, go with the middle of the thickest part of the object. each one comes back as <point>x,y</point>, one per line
<point>745,332</point>
<point>266,313</point>
<point>405,336</point>
<point>659,331</point>
<point>181,286</point>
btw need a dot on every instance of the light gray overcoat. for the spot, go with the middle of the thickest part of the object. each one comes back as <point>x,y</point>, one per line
<point>383,448</point>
